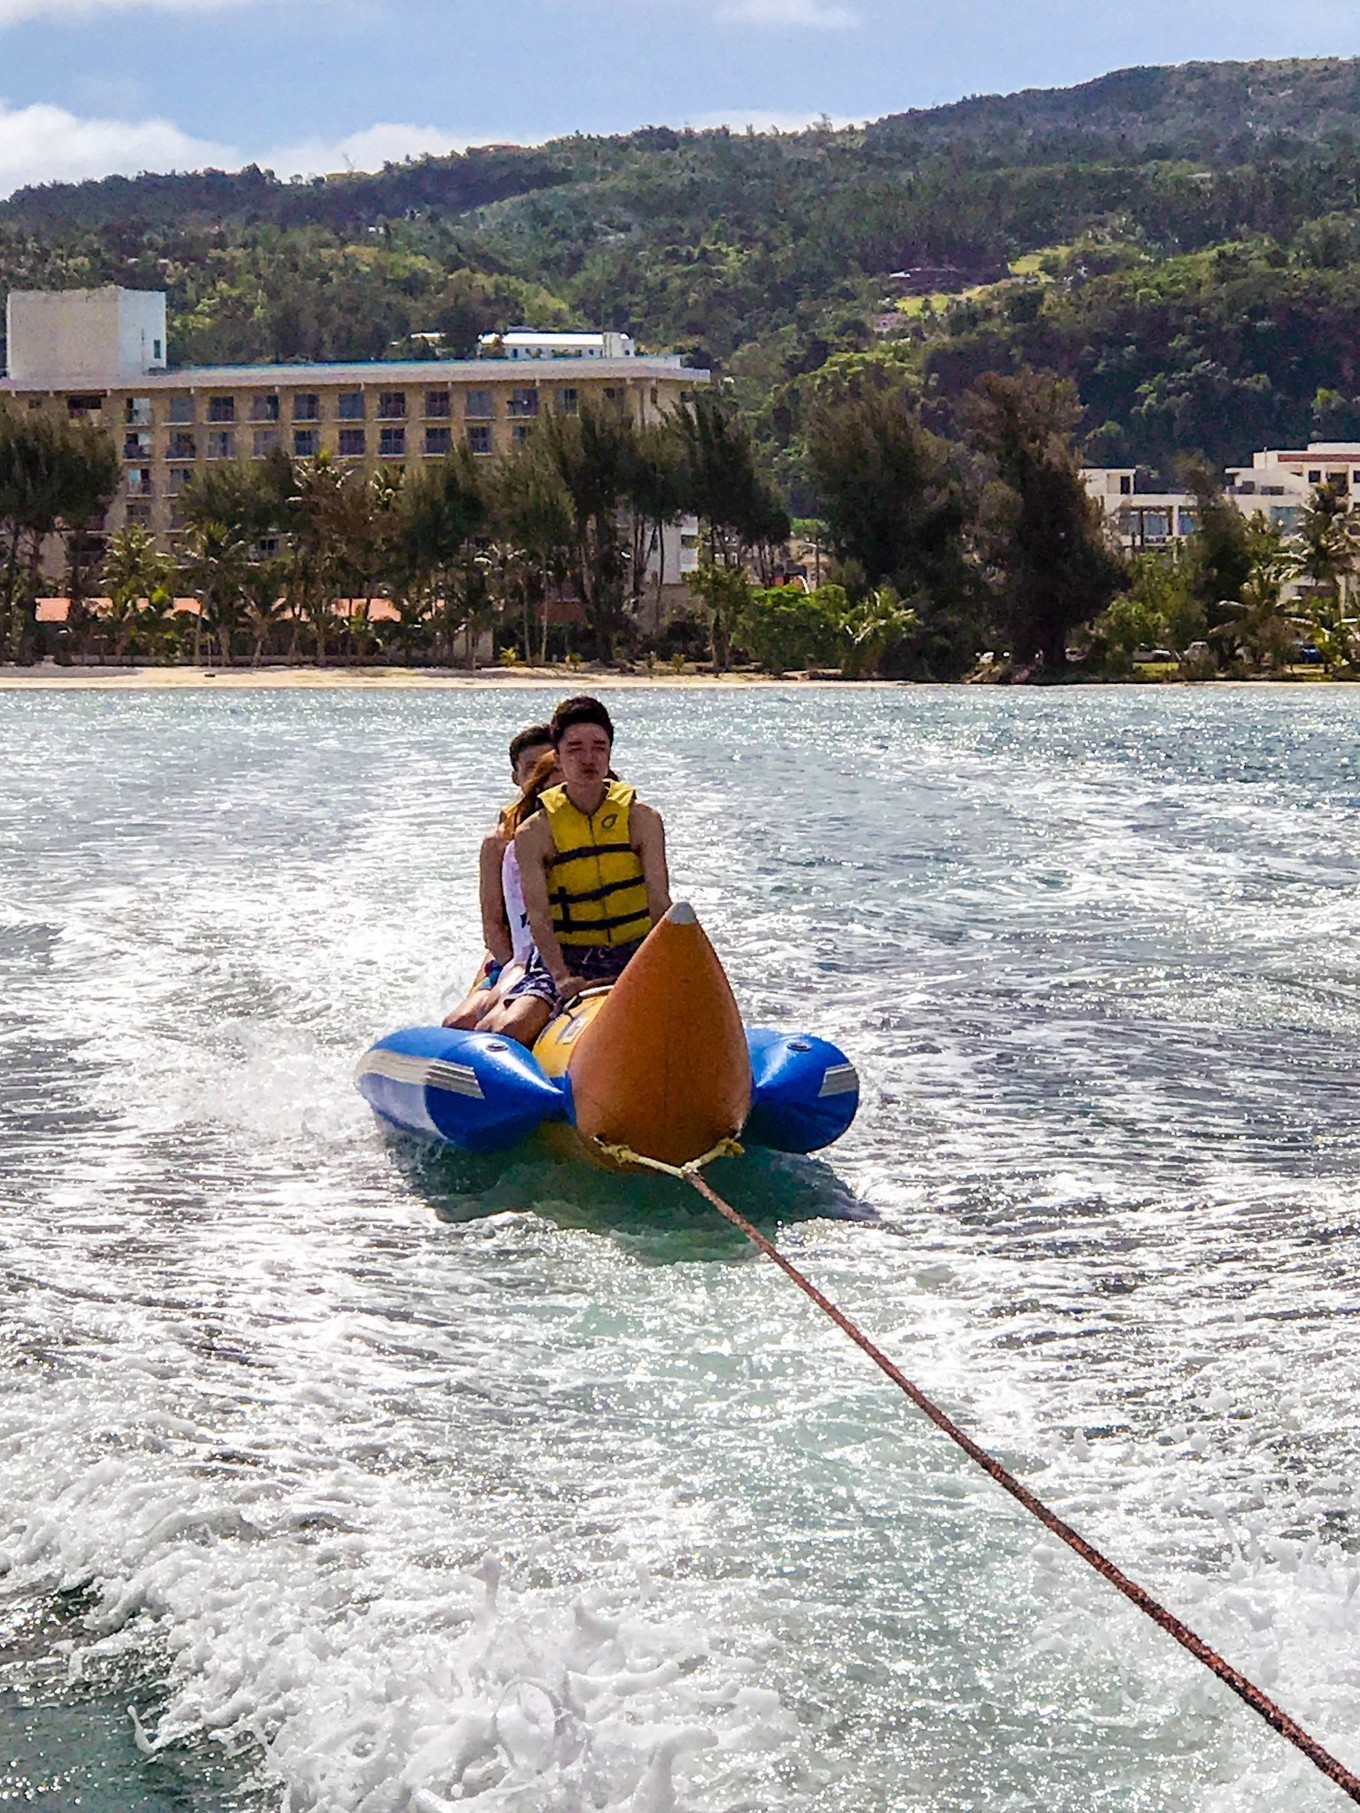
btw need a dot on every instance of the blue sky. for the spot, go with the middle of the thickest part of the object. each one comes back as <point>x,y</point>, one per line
<point>92,86</point>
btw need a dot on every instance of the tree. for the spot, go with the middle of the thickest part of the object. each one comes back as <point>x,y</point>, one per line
<point>532,511</point>
<point>1327,551</point>
<point>892,494</point>
<point>139,578</point>
<point>434,518</point>
<point>897,507</point>
<point>1219,551</point>
<point>718,481</point>
<point>218,568</point>
<point>1256,628</point>
<point>1054,566</point>
<point>785,627</point>
<point>874,627</point>
<point>54,474</point>
<point>725,594</point>
<point>592,456</point>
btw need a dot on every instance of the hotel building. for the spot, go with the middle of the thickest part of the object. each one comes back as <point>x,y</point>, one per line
<point>102,356</point>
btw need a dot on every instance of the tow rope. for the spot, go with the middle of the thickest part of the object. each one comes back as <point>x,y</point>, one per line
<point>1260,1702</point>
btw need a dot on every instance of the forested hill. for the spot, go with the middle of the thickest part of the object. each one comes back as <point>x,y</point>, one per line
<point>1214,110</point>
<point>1183,242</point>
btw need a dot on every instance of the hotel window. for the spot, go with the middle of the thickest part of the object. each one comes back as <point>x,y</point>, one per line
<point>138,514</point>
<point>352,443</point>
<point>84,405</point>
<point>179,479</point>
<point>1336,478</point>
<point>392,443</point>
<point>1315,477</point>
<point>306,443</point>
<point>183,447</point>
<point>519,434</point>
<point>155,349</point>
<point>265,442</point>
<point>479,438</point>
<point>438,440</point>
<point>176,517</point>
<point>139,481</point>
<point>181,410</point>
<point>392,405</point>
<point>437,404</point>
<point>137,446</point>
<point>137,412</point>
<point>264,408</point>
<point>351,406</point>
<point>568,400</point>
<point>221,409</point>
<point>478,405</point>
<point>306,407</point>
<point>524,399</point>
<point>222,445</point>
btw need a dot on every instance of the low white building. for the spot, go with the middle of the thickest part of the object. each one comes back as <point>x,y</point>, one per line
<point>1276,485</point>
<point>528,343</point>
<point>1141,519</point>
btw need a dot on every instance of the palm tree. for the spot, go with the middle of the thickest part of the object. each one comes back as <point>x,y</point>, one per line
<point>218,568</point>
<point>53,474</point>
<point>432,565</point>
<point>135,573</point>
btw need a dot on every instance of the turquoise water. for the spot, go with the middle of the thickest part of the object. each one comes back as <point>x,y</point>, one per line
<point>377,1483</point>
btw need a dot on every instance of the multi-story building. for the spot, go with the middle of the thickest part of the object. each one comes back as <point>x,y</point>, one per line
<point>1141,519</point>
<point>101,356</point>
<point>1276,485</point>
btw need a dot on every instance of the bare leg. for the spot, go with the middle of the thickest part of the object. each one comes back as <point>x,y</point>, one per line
<point>521,1019</point>
<point>467,1016</point>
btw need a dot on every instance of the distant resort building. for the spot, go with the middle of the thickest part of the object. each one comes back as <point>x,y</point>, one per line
<point>1277,485</point>
<point>526,343</point>
<point>102,356</point>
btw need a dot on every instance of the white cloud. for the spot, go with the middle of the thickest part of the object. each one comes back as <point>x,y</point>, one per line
<point>384,143</point>
<point>12,11</point>
<point>44,144</point>
<point>814,13</point>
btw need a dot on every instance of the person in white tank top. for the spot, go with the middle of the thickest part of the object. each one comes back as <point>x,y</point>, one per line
<point>505,922</point>
<point>516,913</point>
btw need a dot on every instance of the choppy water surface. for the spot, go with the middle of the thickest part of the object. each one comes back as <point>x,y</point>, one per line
<point>373,1483</point>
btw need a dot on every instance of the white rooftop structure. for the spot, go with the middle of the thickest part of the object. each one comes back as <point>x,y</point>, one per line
<point>67,337</point>
<point>528,343</point>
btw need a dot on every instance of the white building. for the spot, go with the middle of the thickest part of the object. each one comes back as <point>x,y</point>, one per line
<point>1276,485</point>
<point>1142,519</point>
<point>528,343</point>
<point>1280,481</point>
<point>65,338</point>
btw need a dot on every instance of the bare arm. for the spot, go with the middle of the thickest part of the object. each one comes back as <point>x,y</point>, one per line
<point>495,926</point>
<point>649,840</point>
<point>534,848</point>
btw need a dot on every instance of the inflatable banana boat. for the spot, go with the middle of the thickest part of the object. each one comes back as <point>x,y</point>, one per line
<point>659,1065</point>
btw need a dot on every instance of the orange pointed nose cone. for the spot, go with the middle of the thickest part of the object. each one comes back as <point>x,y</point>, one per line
<point>664,1067</point>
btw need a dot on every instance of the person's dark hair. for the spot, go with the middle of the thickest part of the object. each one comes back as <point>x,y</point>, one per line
<point>580,710</point>
<point>531,734</point>
<point>534,789</point>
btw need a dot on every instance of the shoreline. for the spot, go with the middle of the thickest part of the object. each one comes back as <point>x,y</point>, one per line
<point>47,677</point>
<point>378,679</point>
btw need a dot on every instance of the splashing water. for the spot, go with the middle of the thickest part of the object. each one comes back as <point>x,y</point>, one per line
<point>376,1481</point>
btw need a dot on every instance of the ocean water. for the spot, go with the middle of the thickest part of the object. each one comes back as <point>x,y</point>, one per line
<point>336,1476</point>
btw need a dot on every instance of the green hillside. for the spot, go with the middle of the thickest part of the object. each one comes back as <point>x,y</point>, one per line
<point>1184,241</point>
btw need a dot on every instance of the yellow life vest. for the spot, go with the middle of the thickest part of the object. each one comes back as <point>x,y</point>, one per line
<point>595,885</point>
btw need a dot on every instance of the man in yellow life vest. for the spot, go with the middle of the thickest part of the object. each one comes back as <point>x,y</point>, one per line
<point>592,866</point>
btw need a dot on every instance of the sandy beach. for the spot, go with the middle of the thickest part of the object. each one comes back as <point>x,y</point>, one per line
<point>49,677</point>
